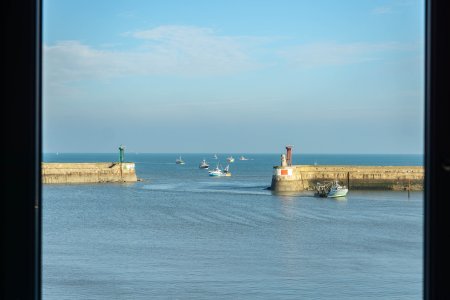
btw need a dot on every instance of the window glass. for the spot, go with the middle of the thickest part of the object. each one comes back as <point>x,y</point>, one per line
<point>233,149</point>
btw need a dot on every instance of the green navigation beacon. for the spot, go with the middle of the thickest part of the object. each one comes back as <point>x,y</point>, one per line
<point>121,153</point>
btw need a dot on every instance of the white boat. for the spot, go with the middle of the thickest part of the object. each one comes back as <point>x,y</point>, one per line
<point>203,165</point>
<point>216,172</point>
<point>230,159</point>
<point>215,156</point>
<point>337,190</point>
<point>179,161</point>
<point>243,158</point>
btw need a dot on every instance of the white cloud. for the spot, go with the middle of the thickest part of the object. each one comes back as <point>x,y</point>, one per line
<point>333,54</point>
<point>174,50</point>
<point>192,51</point>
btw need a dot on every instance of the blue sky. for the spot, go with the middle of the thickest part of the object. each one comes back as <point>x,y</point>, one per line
<point>234,76</point>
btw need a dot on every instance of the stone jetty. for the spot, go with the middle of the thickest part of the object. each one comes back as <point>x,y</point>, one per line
<point>305,177</point>
<point>66,173</point>
<point>297,178</point>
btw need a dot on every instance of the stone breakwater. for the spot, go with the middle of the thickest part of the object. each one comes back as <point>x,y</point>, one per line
<point>88,172</point>
<point>304,177</point>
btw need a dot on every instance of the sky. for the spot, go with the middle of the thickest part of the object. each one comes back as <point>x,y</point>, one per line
<point>231,76</point>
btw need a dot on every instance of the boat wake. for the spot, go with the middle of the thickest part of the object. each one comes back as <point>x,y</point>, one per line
<point>240,189</point>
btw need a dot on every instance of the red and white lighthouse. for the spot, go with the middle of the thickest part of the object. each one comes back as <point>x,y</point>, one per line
<point>289,155</point>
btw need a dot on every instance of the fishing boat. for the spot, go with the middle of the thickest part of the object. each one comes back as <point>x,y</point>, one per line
<point>179,161</point>
<point>322,189</point>
<point>243,158</point>
<point>203,165</point>
<point>216,172</point>
<point>337,190</point>
<point>226,171</point>
<point>230,159</point>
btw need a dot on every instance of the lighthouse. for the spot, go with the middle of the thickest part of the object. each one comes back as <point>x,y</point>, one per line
<point>289,155</point>
<point>121,153</point>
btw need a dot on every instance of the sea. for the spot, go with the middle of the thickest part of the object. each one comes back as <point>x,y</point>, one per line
<point>181,234</point>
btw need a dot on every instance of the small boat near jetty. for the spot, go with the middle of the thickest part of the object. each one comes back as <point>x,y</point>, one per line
<point>330,189</point>
<point>179,161</point>
<point>230,159</point>
<point>337,190</point>
<point>203,165</point>
<point>243,158</point>
<point>322,189</point>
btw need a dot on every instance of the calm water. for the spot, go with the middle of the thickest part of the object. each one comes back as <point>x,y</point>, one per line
<point>181,234</point>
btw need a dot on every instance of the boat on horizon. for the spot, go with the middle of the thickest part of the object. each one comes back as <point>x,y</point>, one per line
<point>243,158</point>
<point>230,159</point>
<point>215,156</point>
<point>203,164</point>
<point>337,190</point>
<point>179,161</point>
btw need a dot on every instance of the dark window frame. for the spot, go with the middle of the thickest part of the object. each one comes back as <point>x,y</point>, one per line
<point>21,188</point>
<point>437,150</point>
<point>21,150</point>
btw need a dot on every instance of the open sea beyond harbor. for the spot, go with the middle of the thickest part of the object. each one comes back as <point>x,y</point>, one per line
<point>181,234</point>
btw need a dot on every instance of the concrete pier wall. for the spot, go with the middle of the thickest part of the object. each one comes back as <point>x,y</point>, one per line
<point>54,173</point>
<point>304,177</point>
